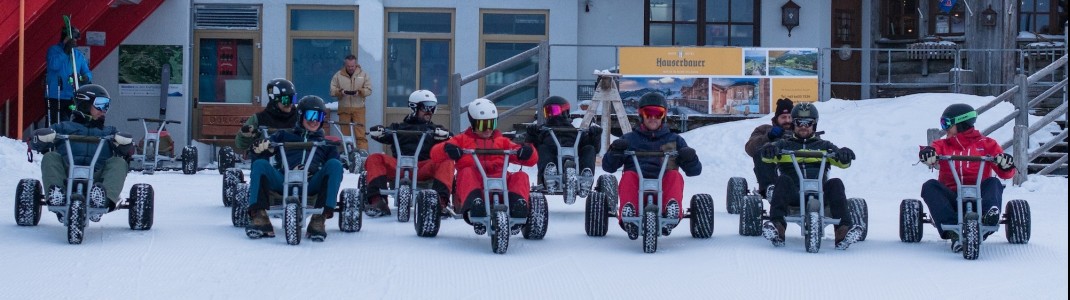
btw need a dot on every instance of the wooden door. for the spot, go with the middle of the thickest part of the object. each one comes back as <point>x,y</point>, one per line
<point>846,64</point>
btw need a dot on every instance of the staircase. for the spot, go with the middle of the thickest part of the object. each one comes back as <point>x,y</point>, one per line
<point>43,23</point>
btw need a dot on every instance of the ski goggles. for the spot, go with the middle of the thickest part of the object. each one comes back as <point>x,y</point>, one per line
<point>314,116</point>
<point>484,125</point>
<point>554,110</point>
<point>807,122</point>
<point>947,122</point>
<point>426,106</point>
<point>652,111</point>
<point>102,103</point>
<point>286,99</point>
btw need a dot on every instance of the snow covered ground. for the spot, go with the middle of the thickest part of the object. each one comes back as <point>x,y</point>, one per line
<point>193,251</point>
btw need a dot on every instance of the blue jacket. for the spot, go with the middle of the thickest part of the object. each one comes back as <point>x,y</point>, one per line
<point>83,152</point>
<point>59,70</point>
<point>297,157</point>
<point>643,140</point>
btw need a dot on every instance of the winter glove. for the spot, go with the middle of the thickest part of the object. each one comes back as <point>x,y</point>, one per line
<point>377,131</point>
<point>123,138</point>
<point>775,133</point>
<point>441,134</point>
<point>350,92</point>
<point>594,132</point>
<point>686,156</point>
<point>261,145</point>
<point>453,151</point>
<point>769,151</point>
<point>618,146</point>
<point>927,156</point>
<point>313,168</point>
<point>845,155</point>
<point>45,135</point>
<point>81,80</point>
<point>248,131</point>
<point>531,134</point>
<point>1004,161</point>
<point>525,152</point>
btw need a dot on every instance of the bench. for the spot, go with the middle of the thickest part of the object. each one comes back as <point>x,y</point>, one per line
<point>219,123</point>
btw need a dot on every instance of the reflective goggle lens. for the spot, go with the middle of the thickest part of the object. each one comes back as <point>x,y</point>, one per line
<point>484,125</point>
<point>554,110</point>
<point>314,116</point>
<point>102,103</point>
<point>286,99</point>
<point>654,112</point>
<point>804,122</point>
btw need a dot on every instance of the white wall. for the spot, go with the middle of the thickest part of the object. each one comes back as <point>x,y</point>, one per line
<point>168,25</point>
<point>813,29</point>
<point>609,22</point>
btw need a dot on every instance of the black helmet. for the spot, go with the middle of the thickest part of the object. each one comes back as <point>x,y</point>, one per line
<point>961,115</point>
<point>555,106</point>
<point>281,90</point>
<point>311,102</point>
<point>805,110</point>
<point>87,95</point>
<point>652,99</point>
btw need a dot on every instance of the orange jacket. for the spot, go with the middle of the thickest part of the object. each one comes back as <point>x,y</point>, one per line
<point>492,164</point>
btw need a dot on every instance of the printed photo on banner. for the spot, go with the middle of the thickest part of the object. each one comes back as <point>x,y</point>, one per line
<point>796,62</point>
<point>140,67</point>
<point>684,95</point>
<point>754,61</point>
<point>739,96</point>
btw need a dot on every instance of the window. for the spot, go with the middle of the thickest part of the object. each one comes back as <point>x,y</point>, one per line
<point>419,45</point>
<point>899,19</point>
<point>227,61</point>
<point>504,35</point>
<point>949,23</point>
<point>320,37</point>
<point>1041,16</point>
<point>702,22</point>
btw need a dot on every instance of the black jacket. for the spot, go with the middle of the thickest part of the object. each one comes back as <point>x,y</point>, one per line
<point>410,141</point>
<point>297,157</point>
<point>538,137</point>
<point>809,166</point>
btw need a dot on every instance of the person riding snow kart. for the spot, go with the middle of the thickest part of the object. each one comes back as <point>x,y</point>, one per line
<point>651,135</point>
<point>325,171</point>
<point>381,167</point>
<point>557,115</point>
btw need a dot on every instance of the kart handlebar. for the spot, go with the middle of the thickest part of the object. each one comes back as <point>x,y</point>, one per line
<point>153,120</point>
<point>488,151</point>
<point>651,153</point>
<point>964,158</point>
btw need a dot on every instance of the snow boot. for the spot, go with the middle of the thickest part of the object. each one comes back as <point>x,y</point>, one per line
<point>774,232</point>
<point>518,208</point>
<point>672,211</point>
<point>55,196</point>
<point>378,206</point>
<point>629,211</point>
<point>98,198</point>
<point>317,230</point>
<point>259,225</point>
<point>476,210</point>
<point>586,180</point>
<point>847,235</point>
<point>552,186</point>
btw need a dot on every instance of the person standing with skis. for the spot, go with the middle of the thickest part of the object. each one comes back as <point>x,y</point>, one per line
<point>60,75</point>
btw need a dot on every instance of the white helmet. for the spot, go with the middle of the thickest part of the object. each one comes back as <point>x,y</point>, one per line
<point>482,109</point>
<point>422,98</point>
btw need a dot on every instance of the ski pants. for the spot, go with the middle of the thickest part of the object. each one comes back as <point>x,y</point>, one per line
<point>943,205</point>
<point>766,173</point>
<point>786,194</point>
<point>548,154</point>
<point>354,115</point>
<point>264,177</point>
<point>382,169</point>
<point>470,186</point>
<point>672,189</point>
<point>111,176</point>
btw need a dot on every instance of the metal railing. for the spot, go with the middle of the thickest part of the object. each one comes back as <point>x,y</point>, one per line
<point>541,78</point>
<point>1023,104</point>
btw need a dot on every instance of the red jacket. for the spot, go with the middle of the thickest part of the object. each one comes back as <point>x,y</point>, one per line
<point>492,164</point>
<point>971,143</point>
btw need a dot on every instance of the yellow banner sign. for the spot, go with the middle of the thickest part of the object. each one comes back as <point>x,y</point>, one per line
<point>796,89</point>
<point>681,61</point>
